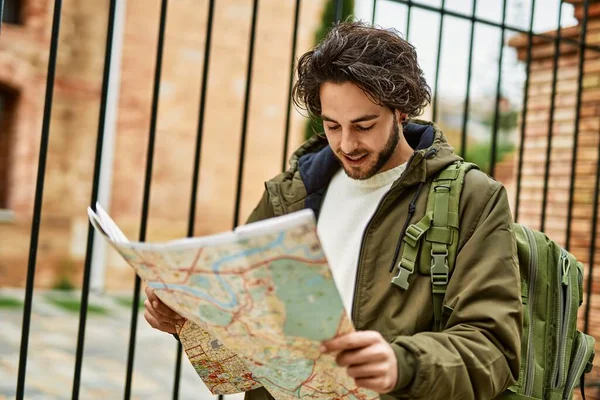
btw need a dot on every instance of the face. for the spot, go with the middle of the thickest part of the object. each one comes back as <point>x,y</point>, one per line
<point>365,137</point>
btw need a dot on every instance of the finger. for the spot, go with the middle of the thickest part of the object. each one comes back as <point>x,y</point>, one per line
<point>369,354</point>
<point>160,317</point>
<point>156,324</point>
<point>354,340</point>
<point>159,306</point>
<point>367,370</point>
<point>150,293</point>
<point>163,309</point>
<point>379,385</point>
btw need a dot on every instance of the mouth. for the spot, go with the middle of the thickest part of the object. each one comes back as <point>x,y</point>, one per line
<point>355,160</point>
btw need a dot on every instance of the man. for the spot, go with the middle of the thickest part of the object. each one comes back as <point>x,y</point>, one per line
<point>365,83</point>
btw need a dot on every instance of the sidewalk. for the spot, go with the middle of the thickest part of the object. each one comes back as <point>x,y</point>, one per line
<point>53,342</point>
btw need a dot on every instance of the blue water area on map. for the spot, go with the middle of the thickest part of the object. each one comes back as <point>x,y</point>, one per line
<point>233,301</point>
<point>201,281</point>
<point>202,287</point>
<point>312,304</point>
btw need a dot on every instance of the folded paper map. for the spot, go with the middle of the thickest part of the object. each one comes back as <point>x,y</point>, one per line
<point>258,301</point>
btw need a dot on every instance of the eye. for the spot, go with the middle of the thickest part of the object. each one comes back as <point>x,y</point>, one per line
<point>333,127</point>
<point>364,128</point>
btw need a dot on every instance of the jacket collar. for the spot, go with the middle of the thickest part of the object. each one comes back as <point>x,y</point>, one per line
<point>315,164</point>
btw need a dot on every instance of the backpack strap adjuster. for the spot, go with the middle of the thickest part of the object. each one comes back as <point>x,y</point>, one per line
<point>413,233</point>
<point>441,188</point>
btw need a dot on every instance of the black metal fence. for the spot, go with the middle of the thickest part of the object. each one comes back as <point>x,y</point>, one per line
<point>442,11</point>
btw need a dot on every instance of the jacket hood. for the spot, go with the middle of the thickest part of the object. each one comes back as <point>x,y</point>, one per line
<point>313,165</point>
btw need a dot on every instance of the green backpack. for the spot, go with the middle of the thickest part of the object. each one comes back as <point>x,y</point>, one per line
<point>554,353</point>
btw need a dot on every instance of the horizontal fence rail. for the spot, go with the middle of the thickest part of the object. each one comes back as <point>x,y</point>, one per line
<point>487,22</point>
<point>470,18</point>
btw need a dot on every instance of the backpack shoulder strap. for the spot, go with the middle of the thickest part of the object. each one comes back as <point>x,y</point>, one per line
<point>443,203</point>
<point>439,227</point>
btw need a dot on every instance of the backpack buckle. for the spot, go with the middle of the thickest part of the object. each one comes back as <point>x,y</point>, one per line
<point>401,280</point>
<point>439,268</point>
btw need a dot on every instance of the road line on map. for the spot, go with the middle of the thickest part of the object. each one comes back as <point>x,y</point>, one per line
<point>193,267</point>
<point>259,264</point>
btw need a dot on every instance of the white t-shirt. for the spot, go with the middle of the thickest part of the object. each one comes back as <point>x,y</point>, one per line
<point>347,208</point>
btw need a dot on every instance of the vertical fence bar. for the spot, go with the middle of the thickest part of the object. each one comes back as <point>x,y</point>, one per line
<point>197,155</point>
<point>288,117</point>
<point>146,198</point>
<point>408,12</point>
<point>39,195</point>
<point>339,10</point>
<point>465,121</point>
<point>1,14</point>
<point>238,196</point>
<point>592,253</point>
<point>94,197</point>
<point>551,118</point>
<point>177,377</point>
<point>498,94</point>
<point>524,113</point>
<point>374,13</point>
<point>581,61</point>
<point>438,63</point>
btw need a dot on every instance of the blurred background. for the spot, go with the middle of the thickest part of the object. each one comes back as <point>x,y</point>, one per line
<point>172,114</point>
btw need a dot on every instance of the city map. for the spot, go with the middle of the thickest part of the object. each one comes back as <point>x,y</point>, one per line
<point>258,302</point>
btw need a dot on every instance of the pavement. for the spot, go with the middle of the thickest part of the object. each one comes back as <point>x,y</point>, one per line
<point>53,343</point>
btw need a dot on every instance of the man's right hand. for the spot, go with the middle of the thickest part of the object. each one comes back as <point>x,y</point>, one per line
<point>158,315</point>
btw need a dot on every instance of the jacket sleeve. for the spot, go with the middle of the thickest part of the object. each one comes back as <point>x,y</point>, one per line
<point>477,355</point>
<point>263,209</point>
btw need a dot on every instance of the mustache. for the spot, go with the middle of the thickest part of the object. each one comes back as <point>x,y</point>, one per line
<point>353,153</point>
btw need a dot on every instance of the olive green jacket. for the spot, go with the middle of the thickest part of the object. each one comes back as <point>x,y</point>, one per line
<point>477,354</point>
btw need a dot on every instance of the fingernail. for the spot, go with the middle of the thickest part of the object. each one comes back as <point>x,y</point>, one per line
<point>155,304</point>
<point>322,348</point>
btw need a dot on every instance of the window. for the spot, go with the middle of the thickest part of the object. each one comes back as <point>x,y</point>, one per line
<point>12,12</point>
<point>7,106</point>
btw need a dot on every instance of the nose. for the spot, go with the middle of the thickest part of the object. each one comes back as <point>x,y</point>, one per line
<point>349,141</point>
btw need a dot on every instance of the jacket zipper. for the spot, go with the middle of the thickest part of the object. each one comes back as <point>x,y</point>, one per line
<point>529,376</point>
<point>578,365</point>
<point>368,226</point>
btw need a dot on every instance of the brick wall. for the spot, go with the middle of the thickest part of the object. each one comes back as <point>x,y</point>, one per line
<point>24,53</point>
<point>71,152</point>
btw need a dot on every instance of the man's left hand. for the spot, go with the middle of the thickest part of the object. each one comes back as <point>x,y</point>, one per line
<point>368,358</point>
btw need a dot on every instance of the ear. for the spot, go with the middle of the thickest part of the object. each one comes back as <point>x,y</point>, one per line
<point>400,116</point>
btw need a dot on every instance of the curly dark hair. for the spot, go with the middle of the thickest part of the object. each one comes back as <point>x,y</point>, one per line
<point>377,60</point>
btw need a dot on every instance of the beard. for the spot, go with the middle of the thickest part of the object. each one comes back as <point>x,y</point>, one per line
<point>366,172</point>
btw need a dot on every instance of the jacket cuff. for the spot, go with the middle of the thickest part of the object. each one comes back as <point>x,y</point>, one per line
<point>407,368</point>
